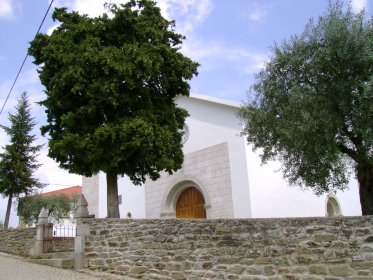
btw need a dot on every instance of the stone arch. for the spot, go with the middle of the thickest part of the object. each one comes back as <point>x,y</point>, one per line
<point>332,206</point>
<point>168,208</point>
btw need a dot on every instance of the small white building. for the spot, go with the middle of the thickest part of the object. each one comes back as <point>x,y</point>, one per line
<point>220,178</point>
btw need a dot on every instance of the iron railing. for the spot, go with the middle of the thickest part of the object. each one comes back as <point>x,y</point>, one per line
<point>64,231</point>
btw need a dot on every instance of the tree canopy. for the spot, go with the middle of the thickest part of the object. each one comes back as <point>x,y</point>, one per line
<point>59,207</point>
<point>110,83</point>
<point>18,161</point>
<point>312,104</point>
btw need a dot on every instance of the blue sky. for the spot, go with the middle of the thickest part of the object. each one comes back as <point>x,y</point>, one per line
<point>230,39</point>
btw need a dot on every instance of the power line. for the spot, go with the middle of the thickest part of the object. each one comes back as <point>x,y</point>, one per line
<point>24,60</point>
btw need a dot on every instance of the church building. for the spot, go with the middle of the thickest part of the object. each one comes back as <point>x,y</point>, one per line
<point>221,177</point>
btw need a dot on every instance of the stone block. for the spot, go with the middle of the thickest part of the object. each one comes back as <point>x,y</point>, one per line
<point>137,270</point>
<point>178,275</point>
<point>306,259</point>
<point>254,270</point>
<point>269,270</point>
<point>207,265</point>
<point>122,268</point>
<point>292,277</point>
<point>324,237</point>
<point>368,257</point>
<point>340,270</point>
<point>329,254</point>
<point>311,277</point>
<point>283,270</point>
<point>366,248</point>
<point>369,239</point>
<point>359,278</point>
<point>318,269</point>
<point>363,231</point>
<point>236,269</point>
<point>364,272</point>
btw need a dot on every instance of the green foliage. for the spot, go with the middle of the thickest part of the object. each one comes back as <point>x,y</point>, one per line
<point>110,85</point>
<point>59,207</point>
<point>18,160</point>
<point>312,105</point>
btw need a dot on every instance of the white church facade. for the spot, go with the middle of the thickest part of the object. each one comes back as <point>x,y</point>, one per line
<point>221,177</point>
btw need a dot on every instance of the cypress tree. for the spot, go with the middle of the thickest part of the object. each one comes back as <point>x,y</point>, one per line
<point>18,158</point>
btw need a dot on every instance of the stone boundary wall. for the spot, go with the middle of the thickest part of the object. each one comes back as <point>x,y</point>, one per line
<point>17,241</point>
<point>257,249</point>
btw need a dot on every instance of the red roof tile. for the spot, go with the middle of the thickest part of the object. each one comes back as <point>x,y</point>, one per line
<point>67,191</point>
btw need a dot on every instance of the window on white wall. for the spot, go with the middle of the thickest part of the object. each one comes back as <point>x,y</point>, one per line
<point>333,207</point>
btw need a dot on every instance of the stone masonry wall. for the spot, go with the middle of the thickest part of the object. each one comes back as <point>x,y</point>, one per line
<point>62,244</point>
<point>17,241</point>
<point>257,249</point>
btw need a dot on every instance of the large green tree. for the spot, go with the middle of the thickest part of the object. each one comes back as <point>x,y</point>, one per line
<point>59,208</point>
<point>18,161</point>
<point>110,83</point>
<point>312,105</point>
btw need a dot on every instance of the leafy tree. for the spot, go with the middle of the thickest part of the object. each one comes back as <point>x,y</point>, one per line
<point>59,207</point>
<point>312,105</point>
<point>18,160</point>
<point>110,84</point>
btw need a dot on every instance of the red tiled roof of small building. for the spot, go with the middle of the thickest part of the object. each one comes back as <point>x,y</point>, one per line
<point>67,191</point>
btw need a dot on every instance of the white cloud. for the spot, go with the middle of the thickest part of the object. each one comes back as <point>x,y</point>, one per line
<point>187,13</point>
<point>6,9</point>
<point>89,7</point>
<point>9,8</point>
<point>27,81</point>
<point>257,13</point>
<point>207,53</point>
<point>358,5</point>
<point>55,178</point>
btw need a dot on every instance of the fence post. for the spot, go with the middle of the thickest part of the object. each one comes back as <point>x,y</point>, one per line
<point>82,229</point>
<point>42,233</point>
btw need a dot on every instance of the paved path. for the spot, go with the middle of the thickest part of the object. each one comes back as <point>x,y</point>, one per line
<point>15,268</point>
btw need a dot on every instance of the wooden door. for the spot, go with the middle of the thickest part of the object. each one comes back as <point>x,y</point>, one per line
<point>190,204</point>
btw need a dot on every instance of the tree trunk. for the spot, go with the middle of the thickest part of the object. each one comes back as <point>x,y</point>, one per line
<point>365,178</point>
<point>112,195</point>
<point>7,214</point>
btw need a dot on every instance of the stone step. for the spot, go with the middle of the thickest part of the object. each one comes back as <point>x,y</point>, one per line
<point>58,255</point>
<point>61,263</point>
<point>56,259</point>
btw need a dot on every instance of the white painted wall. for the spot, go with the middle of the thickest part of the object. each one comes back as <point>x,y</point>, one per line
<point>273,197</point>
<point>90,190</point>
<point>133,197</point>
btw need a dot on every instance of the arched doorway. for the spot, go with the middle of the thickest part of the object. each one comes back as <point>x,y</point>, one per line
<point>190,204</point>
